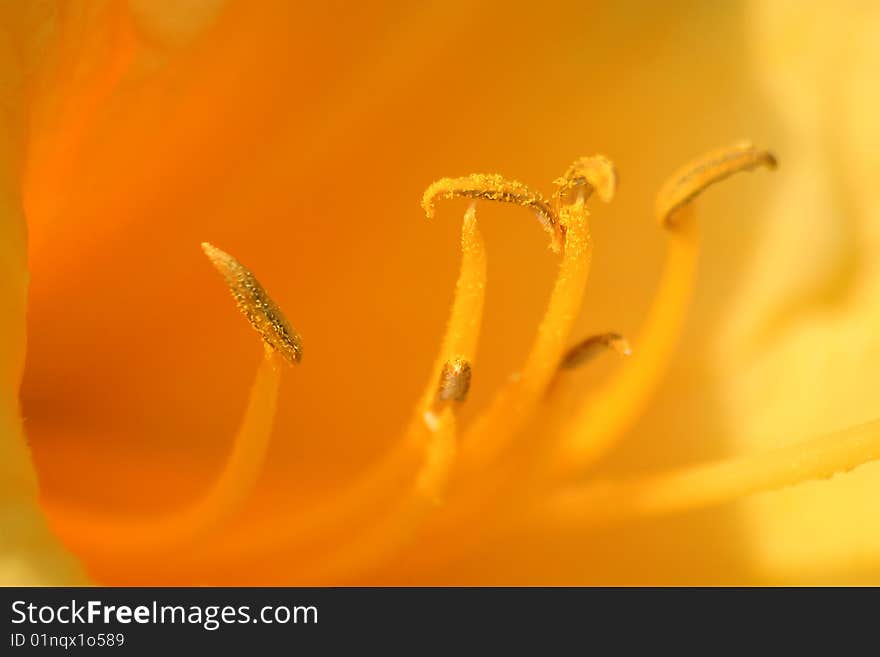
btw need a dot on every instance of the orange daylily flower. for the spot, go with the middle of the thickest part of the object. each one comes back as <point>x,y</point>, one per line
<point>299,141</point>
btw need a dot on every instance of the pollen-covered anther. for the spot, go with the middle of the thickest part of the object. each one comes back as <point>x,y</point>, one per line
<point>693,178</point>
<point>493,187</point>
<point>590,173</point>
<point>455,381</point>
<point>592,346</point>
<point>256,304</point>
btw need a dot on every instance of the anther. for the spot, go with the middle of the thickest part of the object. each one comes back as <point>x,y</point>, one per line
<point>689,181</point>
<point>492,187</point>
<point>593,346</point>
<point>595,172</point>
<point>255,304</point>
<point>455,381</point>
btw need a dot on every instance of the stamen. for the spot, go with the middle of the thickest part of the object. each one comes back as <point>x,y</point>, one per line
<point>695,176</point>
<point>455,381</point>
<point>622,400</point>
<point>713,484</point>
<point>493,187</point>
<point>591,347</point>
<point>245,462</point>
<point>255,304</point>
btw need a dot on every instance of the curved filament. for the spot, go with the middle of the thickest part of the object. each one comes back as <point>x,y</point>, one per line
<point>382,541</point>
<point>235,482</point>
<point>156,536</point>
<point>713,484</point>
<point>497,425</point>
<point>620,401</point>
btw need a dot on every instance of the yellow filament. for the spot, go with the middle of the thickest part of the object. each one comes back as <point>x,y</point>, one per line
<point>620,402</point>
<point>716,483</point>
<point>382,541</point>
<point>513,405</point>
<point>466,316</point>
<point>245,462</point>
<point>250,445</point>
<point>156,536</point>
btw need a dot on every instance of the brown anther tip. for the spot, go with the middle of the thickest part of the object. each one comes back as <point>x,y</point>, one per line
<point>692,179</point>
<point>455,381</point>
<point>493,187</point>
<point>596,172</point>
<point>256,305</point>
<point>592,346</point>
